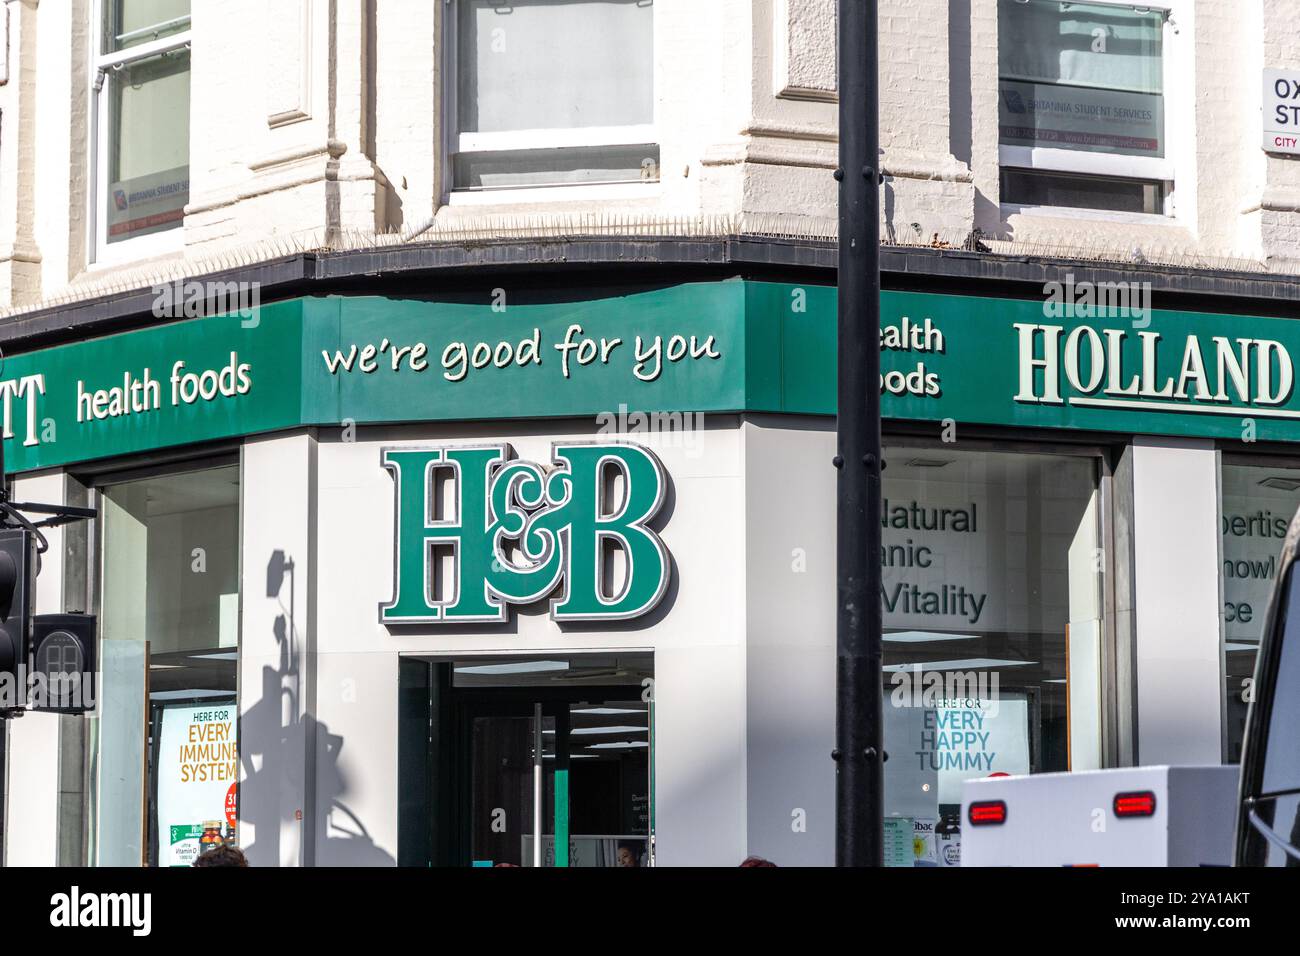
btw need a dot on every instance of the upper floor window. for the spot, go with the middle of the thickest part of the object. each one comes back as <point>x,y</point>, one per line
<point>552,92</point>
<point>1081,116</point>
<point>142,124</point>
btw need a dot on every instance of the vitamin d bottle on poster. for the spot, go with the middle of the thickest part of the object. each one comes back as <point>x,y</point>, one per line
<point>948,837</point>
<point>211,838</point>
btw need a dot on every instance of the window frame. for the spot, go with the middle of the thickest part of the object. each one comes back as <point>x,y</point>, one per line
<point>455,142</point>
<point>1082,162</point>
<point>103,66</point>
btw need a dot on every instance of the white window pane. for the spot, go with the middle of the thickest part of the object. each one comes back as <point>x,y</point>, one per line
<point>1083,44</point>
<point>554,64</point>
<point>128,23</point>
<point>548,167</point>
<point>148,146</point>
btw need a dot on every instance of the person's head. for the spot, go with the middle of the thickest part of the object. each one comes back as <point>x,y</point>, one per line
<point>756,861</point>
<point>628,855</point>
<point>222,856</point>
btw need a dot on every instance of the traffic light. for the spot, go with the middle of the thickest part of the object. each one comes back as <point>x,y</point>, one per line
<point>17,592</point>
<point>63,663</point>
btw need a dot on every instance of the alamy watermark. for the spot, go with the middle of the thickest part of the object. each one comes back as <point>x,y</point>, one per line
<point>1086,299</point>
<point>656,430</point>
<point>970,690</point>
<point>195,298</point>
<point>47,690</point>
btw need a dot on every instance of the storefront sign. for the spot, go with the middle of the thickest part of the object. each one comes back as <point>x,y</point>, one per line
<point>517,531</point>
<point>1102,363</point>
<point>1144,372</point>
<point>1086,366</point>
<point>198,772</point>
<point>1064,116</point>
<point>147,203</point>
<point>1282,111</point>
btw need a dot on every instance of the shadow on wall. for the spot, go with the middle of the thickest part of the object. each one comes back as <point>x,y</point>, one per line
<point>275,796</point>
<point>961,110</point>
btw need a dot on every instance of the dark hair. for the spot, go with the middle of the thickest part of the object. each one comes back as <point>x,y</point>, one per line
<point>632,848</point>
<point>756,861</point>
<point>222,856</point>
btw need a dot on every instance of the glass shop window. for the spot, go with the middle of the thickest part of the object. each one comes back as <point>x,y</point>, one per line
<point>166,754</point>
<point>993,634</point>
<point>1259,502</point>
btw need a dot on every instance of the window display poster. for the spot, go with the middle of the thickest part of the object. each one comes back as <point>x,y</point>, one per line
<point>198,773</point>
<point>976,739</point>
<point>933,749</point>
<point>1066,116</point>
<point>899,841</point>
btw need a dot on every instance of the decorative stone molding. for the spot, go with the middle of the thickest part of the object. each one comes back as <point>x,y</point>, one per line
<point>1276,200</point>
<point>4,45</point>
<point>289,37</point>
<point>803,58</point>
<point>278,171</point>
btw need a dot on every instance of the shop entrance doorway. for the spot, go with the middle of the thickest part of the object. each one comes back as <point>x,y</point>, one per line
<point>527,761</point>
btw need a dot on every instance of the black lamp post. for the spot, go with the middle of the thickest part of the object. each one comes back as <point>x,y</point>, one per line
<point>859,752</point>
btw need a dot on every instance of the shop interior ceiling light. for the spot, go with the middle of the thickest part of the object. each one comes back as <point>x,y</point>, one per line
<point>186,694</point>
<point>968,664</point>
<point>928,462</point>
<point>515,667</point>
<point>588,731</point>
<point>1281,484</point>
<point>583,675</point>
<point>926,637</point>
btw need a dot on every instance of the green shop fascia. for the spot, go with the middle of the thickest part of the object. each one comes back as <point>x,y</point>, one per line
<point>721,347</point>
<point>1009,422</point>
